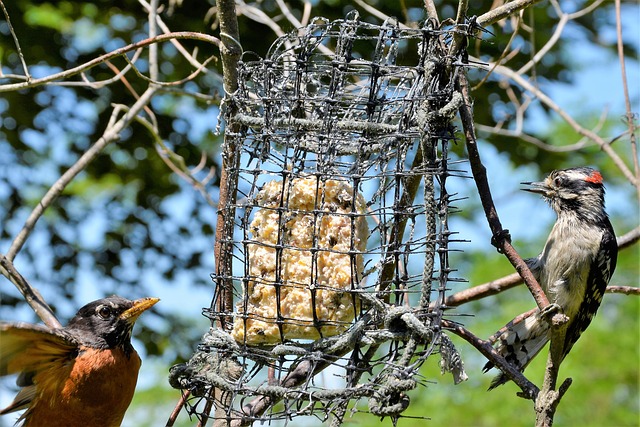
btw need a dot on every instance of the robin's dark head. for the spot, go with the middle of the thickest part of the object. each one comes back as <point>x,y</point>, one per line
<point>107,322</point>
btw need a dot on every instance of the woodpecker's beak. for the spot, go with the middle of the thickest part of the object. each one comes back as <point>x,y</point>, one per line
<point>139,306</point>
<point>536,187</point>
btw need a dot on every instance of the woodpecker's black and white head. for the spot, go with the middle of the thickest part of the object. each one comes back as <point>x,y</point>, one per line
<point>574,191</point>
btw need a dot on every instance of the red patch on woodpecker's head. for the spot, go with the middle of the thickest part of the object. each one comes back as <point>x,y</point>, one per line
<point>595,178</point>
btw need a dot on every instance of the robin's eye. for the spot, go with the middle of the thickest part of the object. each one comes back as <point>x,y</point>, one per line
<point>104,312</point>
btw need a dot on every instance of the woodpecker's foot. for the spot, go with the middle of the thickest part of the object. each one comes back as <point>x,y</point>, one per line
<point>551,310</point>
<point>553,313</point>
<point>498,238</point>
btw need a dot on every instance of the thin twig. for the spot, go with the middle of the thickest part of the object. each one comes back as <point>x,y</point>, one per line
<point>529,390</point>
<point>377,13</point>
<point>111,133</point>
<point>15,41</point>
<point>627,101</point>
<point>102,58</point>
<point>177,164</point>
<point>190,58</point>
<point>30,293</point>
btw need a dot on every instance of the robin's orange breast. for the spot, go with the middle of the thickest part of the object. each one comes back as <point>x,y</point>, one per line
<point>94,389</point>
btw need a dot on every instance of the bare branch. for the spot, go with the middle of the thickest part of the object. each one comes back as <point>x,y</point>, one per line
<point>626,290</point>
<point>500,237</point>
<point>30,294</point>
<point>16,42</point>
<point>503,11</point>
<point>482,291</point>
<point>190,58</point>
<point>432,12</point>
<point>118,52</point>
<point>529,390</point>
<point>604,145</point>
<point>627,101</point>
<point>111,133</point>
<point>629,238</point>
<point>375,12</point>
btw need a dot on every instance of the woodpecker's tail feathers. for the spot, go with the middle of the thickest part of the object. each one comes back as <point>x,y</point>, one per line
<point>519,342</point>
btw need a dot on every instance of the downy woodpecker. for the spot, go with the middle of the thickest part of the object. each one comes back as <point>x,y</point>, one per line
<point>573,269</point>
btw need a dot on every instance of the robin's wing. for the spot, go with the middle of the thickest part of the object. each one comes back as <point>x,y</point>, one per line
<point>27,349</point>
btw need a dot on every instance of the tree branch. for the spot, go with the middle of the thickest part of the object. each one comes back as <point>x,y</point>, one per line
<point>529,390</point>
<point>30,294</point>
<point>503,11</point>
<point>630,117</point>
<point>102,58</point>
<point>110,134</point>
<point>545,99</point>
<point>512,280</point>
<point>501,238</point>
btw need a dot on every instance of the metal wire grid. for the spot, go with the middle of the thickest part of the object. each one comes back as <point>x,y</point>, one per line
<point>316,112</point>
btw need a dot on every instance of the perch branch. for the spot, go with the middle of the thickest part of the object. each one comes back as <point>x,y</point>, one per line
<point>548,399</point>
<point>507,282</point>
<point>500,237</point>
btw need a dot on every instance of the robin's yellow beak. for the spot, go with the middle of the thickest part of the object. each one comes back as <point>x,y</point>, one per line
<point>139,306</point>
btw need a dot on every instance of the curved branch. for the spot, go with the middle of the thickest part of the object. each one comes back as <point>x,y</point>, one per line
<point>110,134</point>
<point>545,99</point>
<point>102,58</point>
<point>30,294</point>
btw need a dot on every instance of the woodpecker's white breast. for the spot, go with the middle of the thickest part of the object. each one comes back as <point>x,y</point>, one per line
<point>565,262</point>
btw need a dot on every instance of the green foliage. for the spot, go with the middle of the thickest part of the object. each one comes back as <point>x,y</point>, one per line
<point>603,365</point>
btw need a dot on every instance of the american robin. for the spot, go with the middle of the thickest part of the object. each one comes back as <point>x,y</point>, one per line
<point>81,375</point>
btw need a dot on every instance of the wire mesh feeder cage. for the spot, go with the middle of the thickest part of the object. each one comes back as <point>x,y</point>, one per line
<point>332,250</point>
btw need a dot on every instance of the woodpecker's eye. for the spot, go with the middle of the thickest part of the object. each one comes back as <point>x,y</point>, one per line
<point>105,312</point>
<point>558,181</point>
